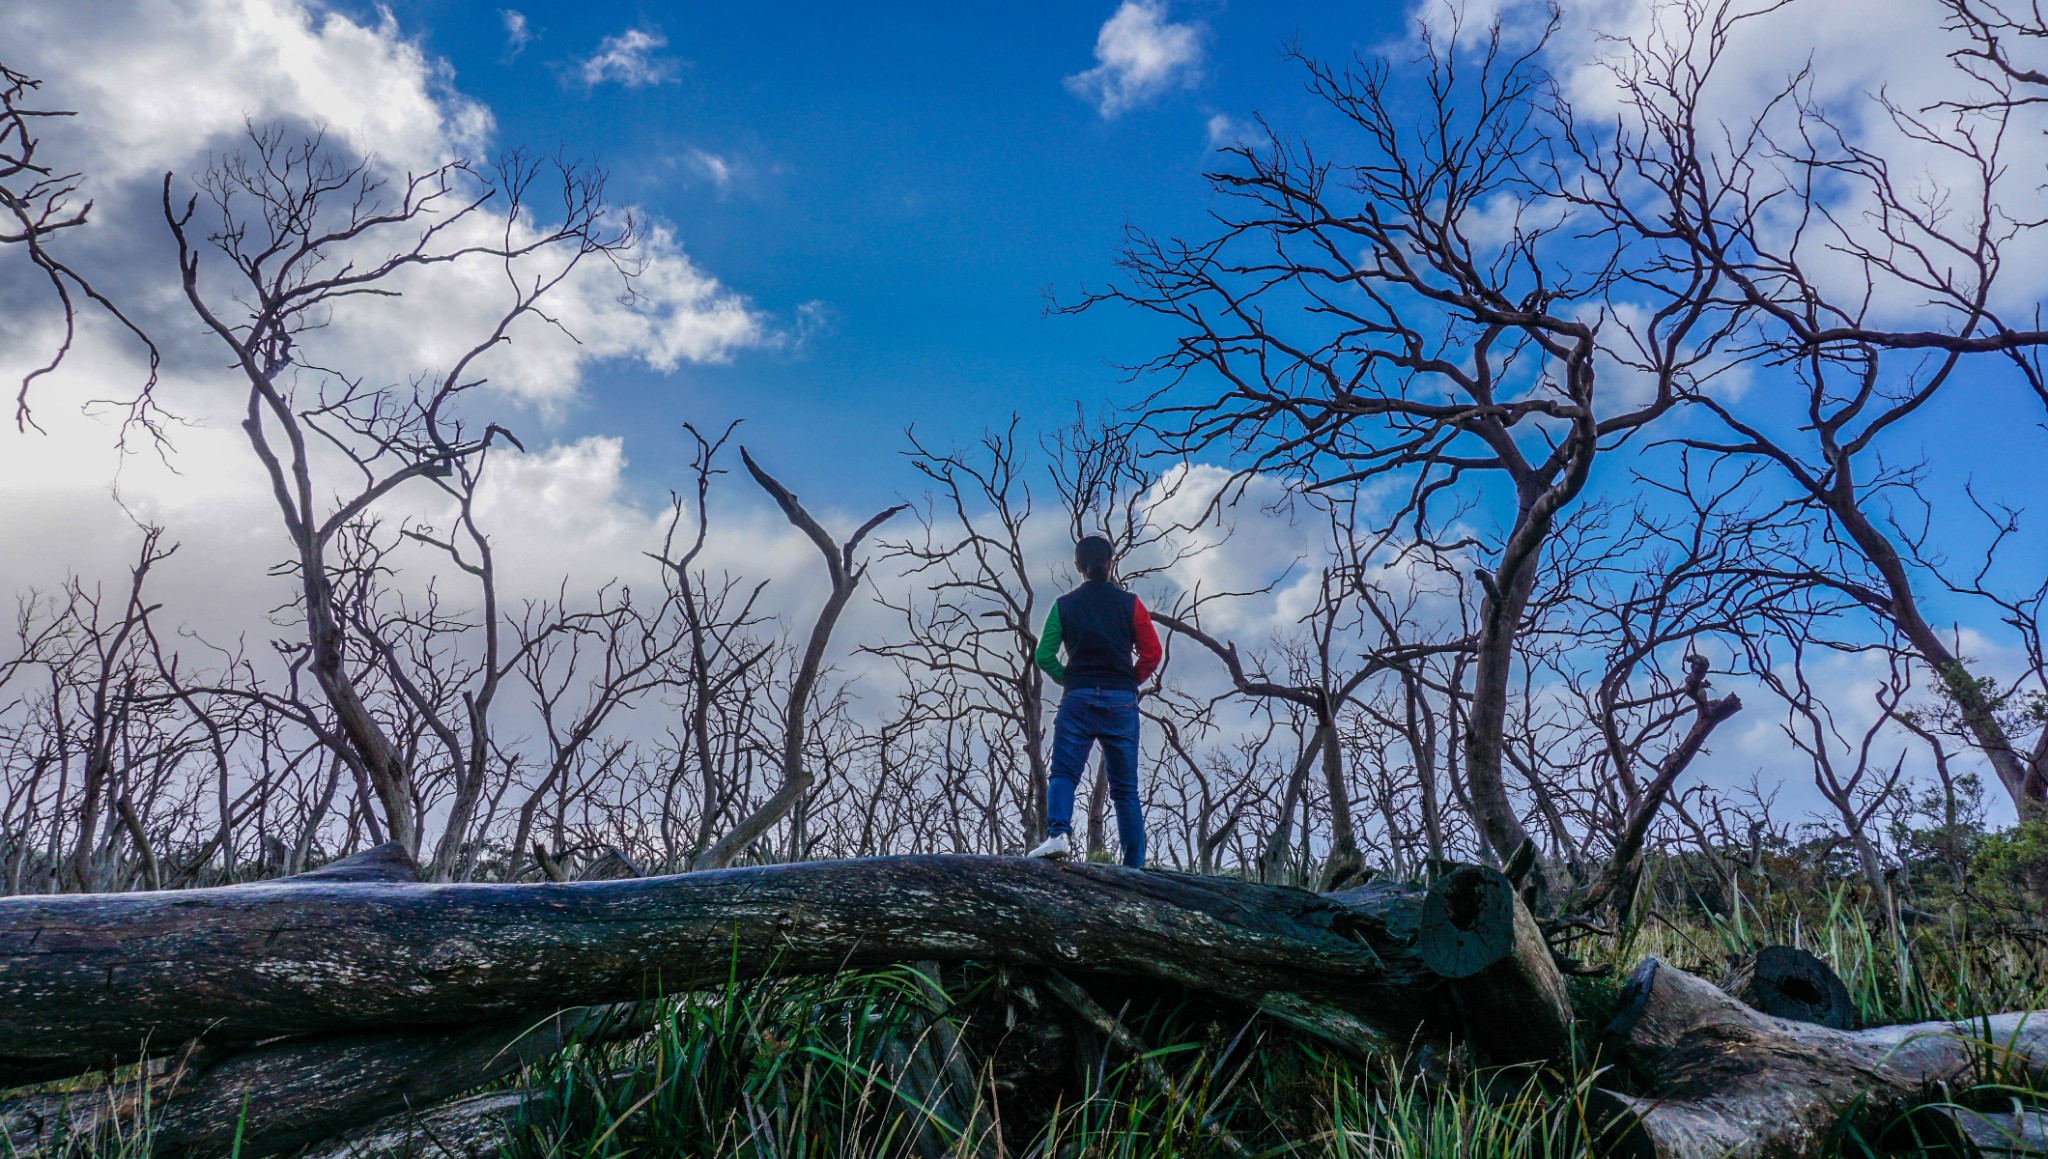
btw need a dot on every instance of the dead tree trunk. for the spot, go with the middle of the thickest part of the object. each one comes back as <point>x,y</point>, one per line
<point>89,978</point>
<point>288,1094</point>
<point>1723,1081</point>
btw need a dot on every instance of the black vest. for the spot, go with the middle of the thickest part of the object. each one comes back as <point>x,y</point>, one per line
<point>1096,625</point>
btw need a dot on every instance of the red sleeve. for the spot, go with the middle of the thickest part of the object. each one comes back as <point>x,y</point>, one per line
<point>1148,640</point>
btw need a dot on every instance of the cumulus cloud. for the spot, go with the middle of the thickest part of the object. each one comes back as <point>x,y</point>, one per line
<point>1849,58</point>
<point>632,58</point>
<point>170,88</point>
<point>378,95</point>
<point>1139,54</point>
<point>157,89</point>
<point>675,313</point>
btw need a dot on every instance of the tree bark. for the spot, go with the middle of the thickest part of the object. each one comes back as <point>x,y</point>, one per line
<point>89,978</point>
<point>471,1128</point>
<point>386,863</point>
<point>1722,1081</point>
<point>299,1091</point>
<point>2015,1132</point>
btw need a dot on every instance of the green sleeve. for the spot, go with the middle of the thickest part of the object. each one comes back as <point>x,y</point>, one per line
<point>1048,654</point>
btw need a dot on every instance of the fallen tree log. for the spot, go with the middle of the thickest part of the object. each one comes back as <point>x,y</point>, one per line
<point>297,1091</point>
<point>937,1081</point>
<point>279,1096</point>
<point>292,1092</point>
<point>1723,1081</point>
<point>87,978</point>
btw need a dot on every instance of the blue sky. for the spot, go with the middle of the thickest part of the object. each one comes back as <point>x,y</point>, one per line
<point>921,173</point>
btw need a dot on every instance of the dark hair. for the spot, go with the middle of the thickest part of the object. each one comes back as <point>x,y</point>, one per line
<point>1091,555</point>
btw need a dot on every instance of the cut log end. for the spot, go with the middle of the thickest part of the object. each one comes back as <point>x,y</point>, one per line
<point>1476,932</point>
<point>1787,982</point>
<point>1468,922</point>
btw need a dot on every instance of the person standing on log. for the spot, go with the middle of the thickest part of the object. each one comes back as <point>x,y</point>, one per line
<point>1111,651</point>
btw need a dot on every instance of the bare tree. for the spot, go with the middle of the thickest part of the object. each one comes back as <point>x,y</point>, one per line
<point>1421,314</point>
<point>1848,767</point>
<point>1812,235</point>
<point>721,666</point>
<point>301,231</point>
<point>796,771</point>
<point>1349,637</point>
<point>976,618</point>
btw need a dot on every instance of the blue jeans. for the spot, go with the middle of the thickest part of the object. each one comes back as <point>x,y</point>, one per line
<point>1088,715</point>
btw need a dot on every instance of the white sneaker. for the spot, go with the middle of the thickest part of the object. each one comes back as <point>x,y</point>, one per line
<point>1052,847</point>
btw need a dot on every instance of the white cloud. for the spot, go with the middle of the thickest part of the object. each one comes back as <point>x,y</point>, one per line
<point>632,58</point>
<point>712,168</point>
<point>162,84</point>
<point>675,314</point>
<point>814,319</point>
<point>167,87</point>
<point>1225,131</point>
<point>1139,54</point>
<point>145,107</point>
<point>679,313</point>
<point>517,33</point>
<point>1851,54</point>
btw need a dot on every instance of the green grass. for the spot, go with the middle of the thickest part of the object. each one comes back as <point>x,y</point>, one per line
<point>797,1068</point>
